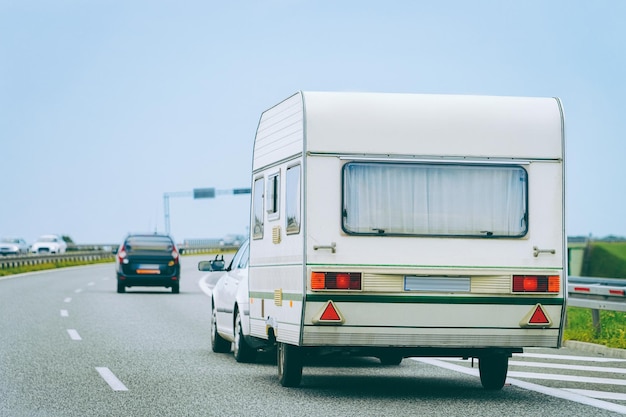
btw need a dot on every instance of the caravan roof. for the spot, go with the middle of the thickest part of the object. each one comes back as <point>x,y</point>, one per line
<point>389,124</point>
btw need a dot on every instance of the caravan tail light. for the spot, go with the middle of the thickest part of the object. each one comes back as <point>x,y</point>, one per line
<point>536,283</point>
<point>335,280</point>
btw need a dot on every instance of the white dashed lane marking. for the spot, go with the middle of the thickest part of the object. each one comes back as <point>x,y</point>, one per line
<point>111,379</point>
<point>74,334</point>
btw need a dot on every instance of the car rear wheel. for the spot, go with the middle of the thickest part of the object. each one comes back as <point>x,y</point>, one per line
<point>289,365</point>
<point>242,350</point>
<point>175,288</point>
<point>121,288</point>
<point>218,343</point>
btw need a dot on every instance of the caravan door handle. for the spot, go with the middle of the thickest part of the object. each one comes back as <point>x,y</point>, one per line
<point>332,247</point>
<point>537,251</point>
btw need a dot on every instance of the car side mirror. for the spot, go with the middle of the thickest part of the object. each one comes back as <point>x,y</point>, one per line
<point>204,266</point>
<point>208,266</point>
<point>217,265</point>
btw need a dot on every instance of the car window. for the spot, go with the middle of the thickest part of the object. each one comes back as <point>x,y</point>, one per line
<point>243,261</point>
<point>149,243</point>
<point>240,260</point>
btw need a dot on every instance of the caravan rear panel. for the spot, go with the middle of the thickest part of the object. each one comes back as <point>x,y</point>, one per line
<point>402,224</point>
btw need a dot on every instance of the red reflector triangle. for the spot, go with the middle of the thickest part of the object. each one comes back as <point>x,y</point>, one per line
<point>330,314</point>
<point>539,317</point>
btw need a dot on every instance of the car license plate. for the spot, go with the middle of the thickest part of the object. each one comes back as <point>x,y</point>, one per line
<point>148,269</point>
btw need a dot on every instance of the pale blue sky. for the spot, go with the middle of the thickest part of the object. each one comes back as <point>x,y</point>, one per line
<point>105,105</point>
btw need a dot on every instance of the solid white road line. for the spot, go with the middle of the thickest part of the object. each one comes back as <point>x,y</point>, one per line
<point>570,367</point>
<point>598,394</point>
<point>554,392</point>
<point>559,377</point>
<point>64,313</point>
<point>111,379</point>
<point>204,286</point>
<point>570,378</point>
<point>571,396</point>
<point>567,358</point>
<point>74,334</point>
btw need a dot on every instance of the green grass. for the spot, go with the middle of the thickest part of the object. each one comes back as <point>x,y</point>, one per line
<point>605,259</point>
<point>580,327</point>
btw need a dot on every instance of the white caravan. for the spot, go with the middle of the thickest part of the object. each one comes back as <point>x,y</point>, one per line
<point>397,225</point>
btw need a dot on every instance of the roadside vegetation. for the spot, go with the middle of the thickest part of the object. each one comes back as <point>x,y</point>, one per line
<point>602,259</point>
<point>605,259</point>
<point>65,264</point>
<point>49,265</point>
<point>611,332</point>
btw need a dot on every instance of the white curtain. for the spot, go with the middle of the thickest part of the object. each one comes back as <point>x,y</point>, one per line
<point>434,199</point>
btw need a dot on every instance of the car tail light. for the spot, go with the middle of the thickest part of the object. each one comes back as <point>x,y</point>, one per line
<point>536,283</point>
<point>335,280</point>
<point>121,254</point>
<point>175,257</point>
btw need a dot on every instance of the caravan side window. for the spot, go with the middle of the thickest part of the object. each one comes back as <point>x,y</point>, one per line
<point>292,200</point>
<point>259,185</point>
<point>435,199</point>
<point>273,193</point>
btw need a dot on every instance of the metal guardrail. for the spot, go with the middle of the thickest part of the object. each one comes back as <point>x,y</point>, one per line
<point>597,293</point>
<point>203,250</point>
<point>7,262</point>
<point>95,255</point>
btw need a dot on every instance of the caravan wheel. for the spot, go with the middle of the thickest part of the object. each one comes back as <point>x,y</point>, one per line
<point>493,370</point>
<point>289,365</point>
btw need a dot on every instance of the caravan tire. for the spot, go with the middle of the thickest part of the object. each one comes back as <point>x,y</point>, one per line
<point>390,359</point>
<point>493,370</point>
<point>289,365</point>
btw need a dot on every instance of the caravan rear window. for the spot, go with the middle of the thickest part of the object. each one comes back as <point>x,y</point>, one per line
<point>435,199</point>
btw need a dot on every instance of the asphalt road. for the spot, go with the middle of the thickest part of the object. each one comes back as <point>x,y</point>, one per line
<point>71,346</point>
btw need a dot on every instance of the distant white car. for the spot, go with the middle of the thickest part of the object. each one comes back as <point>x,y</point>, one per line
<point>232,240</point>
<point>49,244</point>
<point>13,246</point>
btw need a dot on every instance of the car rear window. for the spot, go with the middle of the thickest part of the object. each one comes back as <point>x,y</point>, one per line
<point>154,243</point>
